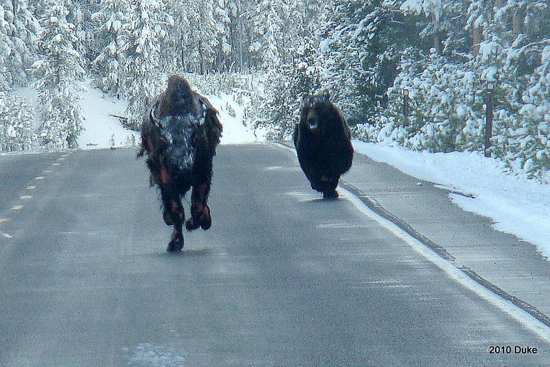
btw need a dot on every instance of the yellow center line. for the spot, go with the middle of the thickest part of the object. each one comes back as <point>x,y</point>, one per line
<point>30,187</point>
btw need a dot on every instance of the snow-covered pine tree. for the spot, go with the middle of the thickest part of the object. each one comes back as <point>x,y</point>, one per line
<point>59,69</point>
<point>224,49</point>
<point>16,42</point>
<point>112,34</point>
<point>194,37</point>
<point>19,29</point>
<point>533,148</point>
<point>269,23</point>
<point>361,45</point>
<point>16,119</point>
<point>144,59</point>
<point>238,35</point>
<point>437,100</point>
<point>502,55</point>
<point>432,106</point>
<point>297,72</point>
<point>443,24</point>
<point>522,139</point>
<point>285,88</point>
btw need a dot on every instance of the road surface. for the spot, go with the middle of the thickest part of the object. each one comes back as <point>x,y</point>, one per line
<point>281,278</point>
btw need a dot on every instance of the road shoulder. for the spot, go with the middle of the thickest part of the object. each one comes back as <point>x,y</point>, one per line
<point>501,262</point>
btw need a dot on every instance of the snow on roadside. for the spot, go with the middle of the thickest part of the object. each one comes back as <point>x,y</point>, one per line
<point>232,115</point>
<point>101,128</point>
<point>516,205</point>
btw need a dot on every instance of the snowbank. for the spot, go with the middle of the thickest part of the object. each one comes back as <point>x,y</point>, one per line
<point>516,205</point>
<point>101,128</point>
<point>232,117</point>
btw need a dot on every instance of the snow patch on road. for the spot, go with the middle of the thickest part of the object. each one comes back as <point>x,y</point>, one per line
<point>149,355</point>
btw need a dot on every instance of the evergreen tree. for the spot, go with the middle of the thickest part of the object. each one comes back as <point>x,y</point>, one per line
<point>144,59</point>
<point>224,49</point>
<point>60,68</point>
<point>17,40</point>
<point>443,24</point>
<point>431,106</point>
<point>112,28</point>
<point>361,46</point>
<point>286,87</point>
<point>16,118</point>
<point>268,20</point>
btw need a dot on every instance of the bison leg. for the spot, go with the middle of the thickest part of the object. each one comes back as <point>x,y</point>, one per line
<point>200,212</point>
<point>176,243</point>
<point>177,217</point>
<point>173,215</point>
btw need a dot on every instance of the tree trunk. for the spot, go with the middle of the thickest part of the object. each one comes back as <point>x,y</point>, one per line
<point>517,22</point>
<point>437,35</point>
<point>477,34</point>
<point>202,63</point>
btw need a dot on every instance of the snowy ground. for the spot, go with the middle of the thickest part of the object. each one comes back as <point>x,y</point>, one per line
<point>232,117</point>
<point>516,205</point>
<point>103,130</point>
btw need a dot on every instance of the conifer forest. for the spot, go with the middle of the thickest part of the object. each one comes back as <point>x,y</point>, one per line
<point>434,75</point>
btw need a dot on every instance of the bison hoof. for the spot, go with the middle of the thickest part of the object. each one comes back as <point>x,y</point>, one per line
<point>176,244</point>
<point>206,223</point>
<point>200,218</point>
<point>191,224</point>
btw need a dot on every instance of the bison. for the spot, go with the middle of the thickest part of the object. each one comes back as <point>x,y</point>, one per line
<point>179,134</point>
<point>323,144</point>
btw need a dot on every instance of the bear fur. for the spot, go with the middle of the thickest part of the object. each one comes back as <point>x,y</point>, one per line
<point>323,144</point>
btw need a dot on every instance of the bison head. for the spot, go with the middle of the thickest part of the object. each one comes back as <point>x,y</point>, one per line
<point>178,99</point>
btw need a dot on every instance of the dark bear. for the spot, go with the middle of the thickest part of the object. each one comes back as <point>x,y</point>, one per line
<point>323,144</point>
<point>179,134</point>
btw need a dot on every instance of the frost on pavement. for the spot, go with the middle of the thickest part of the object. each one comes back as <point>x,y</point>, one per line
<point>148,355</point>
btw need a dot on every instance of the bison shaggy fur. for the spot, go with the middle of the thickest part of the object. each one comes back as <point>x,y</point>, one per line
<point>179,134</point>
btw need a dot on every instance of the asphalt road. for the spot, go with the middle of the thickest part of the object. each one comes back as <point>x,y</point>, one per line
<point>281,278</point>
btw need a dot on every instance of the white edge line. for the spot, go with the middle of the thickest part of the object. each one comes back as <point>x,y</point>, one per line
<point>520,315</point>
